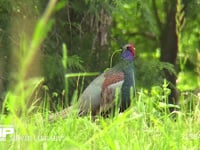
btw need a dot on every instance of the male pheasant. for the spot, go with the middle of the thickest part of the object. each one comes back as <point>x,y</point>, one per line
<point>99,96</point>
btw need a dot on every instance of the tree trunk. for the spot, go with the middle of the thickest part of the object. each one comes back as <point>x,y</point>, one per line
<point>169,49</point>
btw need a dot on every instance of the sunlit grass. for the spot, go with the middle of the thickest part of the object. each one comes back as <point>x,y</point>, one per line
<point>140,127</point>
<point>188,81</point>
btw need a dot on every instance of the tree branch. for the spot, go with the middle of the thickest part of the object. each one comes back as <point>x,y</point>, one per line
<point>144,34</point>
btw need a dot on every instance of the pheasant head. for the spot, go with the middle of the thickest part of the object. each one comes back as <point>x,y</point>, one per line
<point>128,52</point>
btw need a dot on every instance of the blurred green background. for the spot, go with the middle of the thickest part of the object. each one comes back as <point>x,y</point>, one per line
<point>166,35</point>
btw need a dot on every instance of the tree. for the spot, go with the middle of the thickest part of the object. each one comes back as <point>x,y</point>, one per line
<point>169,44</point>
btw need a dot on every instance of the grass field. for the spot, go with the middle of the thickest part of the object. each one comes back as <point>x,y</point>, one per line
<point>143,126</point>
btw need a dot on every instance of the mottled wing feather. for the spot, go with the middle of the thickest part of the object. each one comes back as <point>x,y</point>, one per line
<point>101,91</point>
<point>109,87</point>
<point>108,96</point>
<point>112,78</point>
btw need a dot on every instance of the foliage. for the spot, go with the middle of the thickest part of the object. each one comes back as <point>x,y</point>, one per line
<point>150,73</point>
<point>145,125</point>
<point>189,46</point>
<point>142,22</point>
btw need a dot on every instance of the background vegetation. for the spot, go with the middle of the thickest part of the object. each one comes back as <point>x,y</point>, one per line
<point>34,63</point>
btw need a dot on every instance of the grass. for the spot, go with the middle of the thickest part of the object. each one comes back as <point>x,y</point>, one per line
<point>140,127</point>
<point>147,124</point>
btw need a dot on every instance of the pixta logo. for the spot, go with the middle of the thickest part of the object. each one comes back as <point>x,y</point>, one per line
<point>5,130</point>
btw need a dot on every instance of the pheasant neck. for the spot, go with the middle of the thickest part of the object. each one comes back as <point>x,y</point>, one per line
<point>129,81</point>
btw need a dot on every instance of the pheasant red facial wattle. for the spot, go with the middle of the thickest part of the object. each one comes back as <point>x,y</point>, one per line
<point>99,96</point>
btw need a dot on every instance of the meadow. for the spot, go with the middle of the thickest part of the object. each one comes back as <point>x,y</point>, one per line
<point>147,124</point>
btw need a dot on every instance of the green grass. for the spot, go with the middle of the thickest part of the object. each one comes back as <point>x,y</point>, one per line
<point>140,127</point>
<point>147,124</point>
